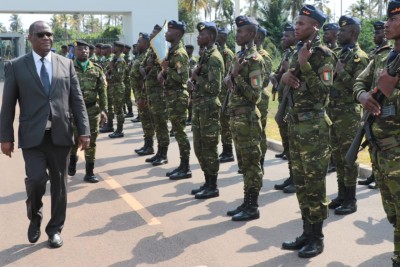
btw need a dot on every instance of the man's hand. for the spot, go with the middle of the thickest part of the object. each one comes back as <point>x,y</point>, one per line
<point>369,103</point>
<point>340,66</point>
<point>195,72</point>
<point>284,66</point>
<point>237,67</point>
<point>228,82</point>
<point>290,79</point>
<point>103,118</point>
<point>84,142</point>
<point>7,148</point>
<point>304,54</point>
<point>387,83</point>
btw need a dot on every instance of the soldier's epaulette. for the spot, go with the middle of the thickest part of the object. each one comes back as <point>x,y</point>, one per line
<point>97,65</point>
<point>325,50</point>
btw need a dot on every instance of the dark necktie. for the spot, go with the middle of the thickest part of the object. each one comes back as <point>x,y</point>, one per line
<point>44,76</point>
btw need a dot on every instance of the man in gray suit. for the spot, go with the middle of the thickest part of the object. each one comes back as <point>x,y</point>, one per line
<point>47,90</point>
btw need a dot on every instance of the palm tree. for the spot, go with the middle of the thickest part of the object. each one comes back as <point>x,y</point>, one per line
<point>224,12</point>
<point>16,24</point>
<point>294,6</point>
<point>2,28</point>
<point>195,5</point>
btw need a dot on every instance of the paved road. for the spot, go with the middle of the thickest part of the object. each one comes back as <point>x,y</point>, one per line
<point>137,217</point>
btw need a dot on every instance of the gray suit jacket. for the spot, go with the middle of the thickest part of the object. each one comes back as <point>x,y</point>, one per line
<point>22,83</point>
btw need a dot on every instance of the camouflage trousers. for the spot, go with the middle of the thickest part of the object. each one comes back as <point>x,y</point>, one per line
<point>263,107</point>
<point>309,153</point>
<point>246,134</point>
<point>177,104</point>
<point>226,134</point>
<point>283,131</point>
<point>146,120</point>
<point>94,120</point>
<point>343,129</point>
<point>117,90</point>
<point>206,128</point>
<point>128,99</point>
<point>159,114</point>
<point>387,175</point>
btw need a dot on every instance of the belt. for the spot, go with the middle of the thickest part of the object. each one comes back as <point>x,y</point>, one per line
<point>305,116</point>
<point>388,111</point>
<point>90,104</point>
<point>387,143</point>
<point>239,111</point>
<point>201,100</point>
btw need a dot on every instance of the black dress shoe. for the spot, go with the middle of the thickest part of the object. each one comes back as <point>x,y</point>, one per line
<point>290,189</point>
<point>284,157</point>
<point>280,155</point>
<point>33,232</point>
<point>55,241</point>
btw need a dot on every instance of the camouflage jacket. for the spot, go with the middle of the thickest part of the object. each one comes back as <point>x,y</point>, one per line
<point>387,125</point>
<point>268,65</point>
<point>93,84</point>
<point>211,77</point>
<point>136,79</point>
<point>342,91</point>
<point>249,83</point>
<point>316,78</point>
<point>192,64</point>
<point>178,69</point>
<point>287,55</point>
<point>228,57</point>
<point>150,63</point>
<point>116,70</point>
<point>379,49</point>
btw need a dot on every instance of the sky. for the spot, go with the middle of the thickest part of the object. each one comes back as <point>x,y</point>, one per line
<point>27,19</point>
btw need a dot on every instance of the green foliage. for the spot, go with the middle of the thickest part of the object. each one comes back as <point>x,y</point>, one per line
<point>189,17</point>
<point>111,32</point>
<point>276,18</point>
<point>366,38</point>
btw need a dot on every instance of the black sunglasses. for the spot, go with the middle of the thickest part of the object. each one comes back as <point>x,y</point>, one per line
<point>42,34</point>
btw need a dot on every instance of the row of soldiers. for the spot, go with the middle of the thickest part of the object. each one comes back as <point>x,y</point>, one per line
<point>323,85</point>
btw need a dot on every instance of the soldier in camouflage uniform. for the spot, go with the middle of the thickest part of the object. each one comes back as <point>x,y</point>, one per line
<point>138,75</point>
<point>345,113</point>
<point>176,73</point>
<point>97,53</point>
<point>92,55</point>
<point>384,146</point>
<point>157,105</point>
<point>64,51</point>
<point>208,77</point>
<point>94,90</point>
<point>128,90</point>
<point>104,62</point>
<point>330,36</point>
<point>226,134</point>
<point>382,46</point>
<point>248,74</point>
<point>192,64</point>
<point>309,128</point>
<point>287,41</point>
<point>116,71</point>
<point>265,95</point>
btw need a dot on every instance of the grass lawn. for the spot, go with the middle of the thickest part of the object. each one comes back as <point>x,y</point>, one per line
<point>273,130</point>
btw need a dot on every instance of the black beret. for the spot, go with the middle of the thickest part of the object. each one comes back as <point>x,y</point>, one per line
<point>379,25</point>
<point>330,26</point>
<point>262,30</point>
<point>64,46</point>
<point>243,21</point>
<point>313,12</point>
<point>348,20</point>
<point>81,43</point>
<point>223,30</point>
<point>189,46</point>
<point>288,27</point>
<point>91,46</point>
<point>105,46</point>
<point>144,35</point>
<point>119,44</point>
<point>393,7</point>
<point>173,24</point>
<point>157,27</point>
<point>99,45</point>
<point>205,25</point>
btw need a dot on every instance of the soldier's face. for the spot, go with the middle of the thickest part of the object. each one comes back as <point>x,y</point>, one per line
<point>172,34</point>
<point>305,28</point>
<point>97,51</point>
<point>244,35</point>
<point>329,36</point>
<point>82,52</point>
<point>345,35</point>
<point>221,39</point>
<point>379,35</point>
<point>203,38</point>
<point>288,39</point>
<point>392,27</point>
<point>153,33</point>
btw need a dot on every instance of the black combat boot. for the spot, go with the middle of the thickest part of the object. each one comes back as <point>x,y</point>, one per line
<point>250,211</point>
<point>72,165</point>
<point>153,158</point>
<point>280,155</point>
<point>210,190</point>
<point>227,153</point>
<point>147,149</point>
<point>395,264</point>
<point>315,243</point>
<point>300,241</point>
<point>118,133</point>
<point>184,171</point>
<point>137,119</point>
<point>108,128</point>
<point>89,176</point>
<point>289,189</point>
<point>241,207</point>
<point>349,204</point>
<point>373,185</point>
<point>285,183</point>
<point>201,188</point>
<point>162,158</point>
<point>336,202</point>
<point>169,173</point>
<point>370,179</point>
<point>130,113</point>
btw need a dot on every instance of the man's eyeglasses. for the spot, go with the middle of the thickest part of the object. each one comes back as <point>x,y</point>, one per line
<point>42,34</point>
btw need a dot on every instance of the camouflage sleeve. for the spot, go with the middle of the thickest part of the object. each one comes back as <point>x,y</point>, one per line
<point>351,71</point>
<point>178,69</point>
<point>102,90</point>
<point>228,62</point>
<point>118,72</point>
<point>268,69</point>
<point>319,82</point>
<point>252,90</point>
<point>364,80</point>
<point>213,81</point>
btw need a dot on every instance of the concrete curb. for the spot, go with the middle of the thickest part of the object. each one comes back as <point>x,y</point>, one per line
<point>364,170</point>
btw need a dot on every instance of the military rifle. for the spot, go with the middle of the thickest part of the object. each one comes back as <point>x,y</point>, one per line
<point>278,77</point>
<point>393,68</point>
